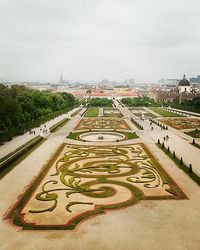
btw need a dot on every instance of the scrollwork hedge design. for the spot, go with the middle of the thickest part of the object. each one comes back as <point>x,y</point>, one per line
<point>83,181</point>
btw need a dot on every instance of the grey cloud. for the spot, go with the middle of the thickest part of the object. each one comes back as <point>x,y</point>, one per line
<point>92,39</point>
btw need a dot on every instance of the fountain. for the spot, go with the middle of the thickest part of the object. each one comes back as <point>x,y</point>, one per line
<point>101,136</point>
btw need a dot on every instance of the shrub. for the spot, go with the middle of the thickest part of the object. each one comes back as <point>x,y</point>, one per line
<point>190,168</point>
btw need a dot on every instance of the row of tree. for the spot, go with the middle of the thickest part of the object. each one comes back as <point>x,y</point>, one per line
<point>189,105</point>
<point>100,102</point>
<point>22,108</point>
<point>138,102</point>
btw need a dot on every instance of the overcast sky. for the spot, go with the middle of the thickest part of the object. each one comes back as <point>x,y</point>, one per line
<point>99,39</point>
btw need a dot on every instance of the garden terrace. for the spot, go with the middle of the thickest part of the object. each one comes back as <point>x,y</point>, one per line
<point>165,113</point>
<point>111,112</point>
<point>141,111</point>
<point>83,181</point>
<point>92,112</point>
<point>102,123</point>
<point>182,123</point>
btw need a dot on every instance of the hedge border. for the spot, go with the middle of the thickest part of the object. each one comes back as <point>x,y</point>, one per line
<point>182,166</point>
<point>13,160</point>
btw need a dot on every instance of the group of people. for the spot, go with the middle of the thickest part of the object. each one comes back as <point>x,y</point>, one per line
<point>31,132</point>
<point>44,130</point>
<point>151,124</point>
<point>166,138</point>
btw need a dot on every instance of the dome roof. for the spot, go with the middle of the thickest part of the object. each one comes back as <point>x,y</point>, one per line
<point>184,82</point>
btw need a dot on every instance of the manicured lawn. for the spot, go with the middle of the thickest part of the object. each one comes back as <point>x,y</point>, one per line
<point>194,133</point>
<point>74,135</point>
<point>128,135</point>
<point>165,113</point>
<point>112,112</point>
<point>92,112</point>
<point>131,135</point>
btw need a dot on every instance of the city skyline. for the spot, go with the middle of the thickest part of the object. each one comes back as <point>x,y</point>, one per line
<point>63,80</point>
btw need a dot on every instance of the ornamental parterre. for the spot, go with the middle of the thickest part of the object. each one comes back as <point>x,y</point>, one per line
<point>83,181</point>
<point>182,123</point>
<point>102,123</point>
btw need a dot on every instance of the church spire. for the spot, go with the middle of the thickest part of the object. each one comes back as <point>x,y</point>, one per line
<point>61,78</point>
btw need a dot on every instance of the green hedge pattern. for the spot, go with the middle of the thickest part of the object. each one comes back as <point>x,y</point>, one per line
<point>103,169</point>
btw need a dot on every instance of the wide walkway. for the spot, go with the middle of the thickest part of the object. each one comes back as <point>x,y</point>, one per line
<point>17,141</point>
<point>180,145</point>
<point>100,112</point>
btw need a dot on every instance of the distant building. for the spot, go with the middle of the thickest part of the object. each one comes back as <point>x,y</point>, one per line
<point>195,79</point>
<point>125,81</point>
<point>183,91</point>
<point>79,94</point>
<point>171,82</point>
<point>126,94</point>
<point>184,86</point>
<point>122,88</point>
<point>104,81</point>
<point>131,81</point>
<point>61,79</point>
<point>98,94</point>
<point>123,91</point>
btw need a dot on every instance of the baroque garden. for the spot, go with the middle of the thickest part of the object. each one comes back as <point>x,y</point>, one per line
<point>101,161</point>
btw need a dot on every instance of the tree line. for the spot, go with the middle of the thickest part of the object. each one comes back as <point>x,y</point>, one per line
<point>189,105</point>
<point>100,102</point>
<point>138,101</point>
<point>22,108</point>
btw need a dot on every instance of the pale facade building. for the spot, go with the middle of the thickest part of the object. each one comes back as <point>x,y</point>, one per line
<point>184,86</point>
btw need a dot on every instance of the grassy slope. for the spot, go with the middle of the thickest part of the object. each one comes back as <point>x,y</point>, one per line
<point>165,113</point>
